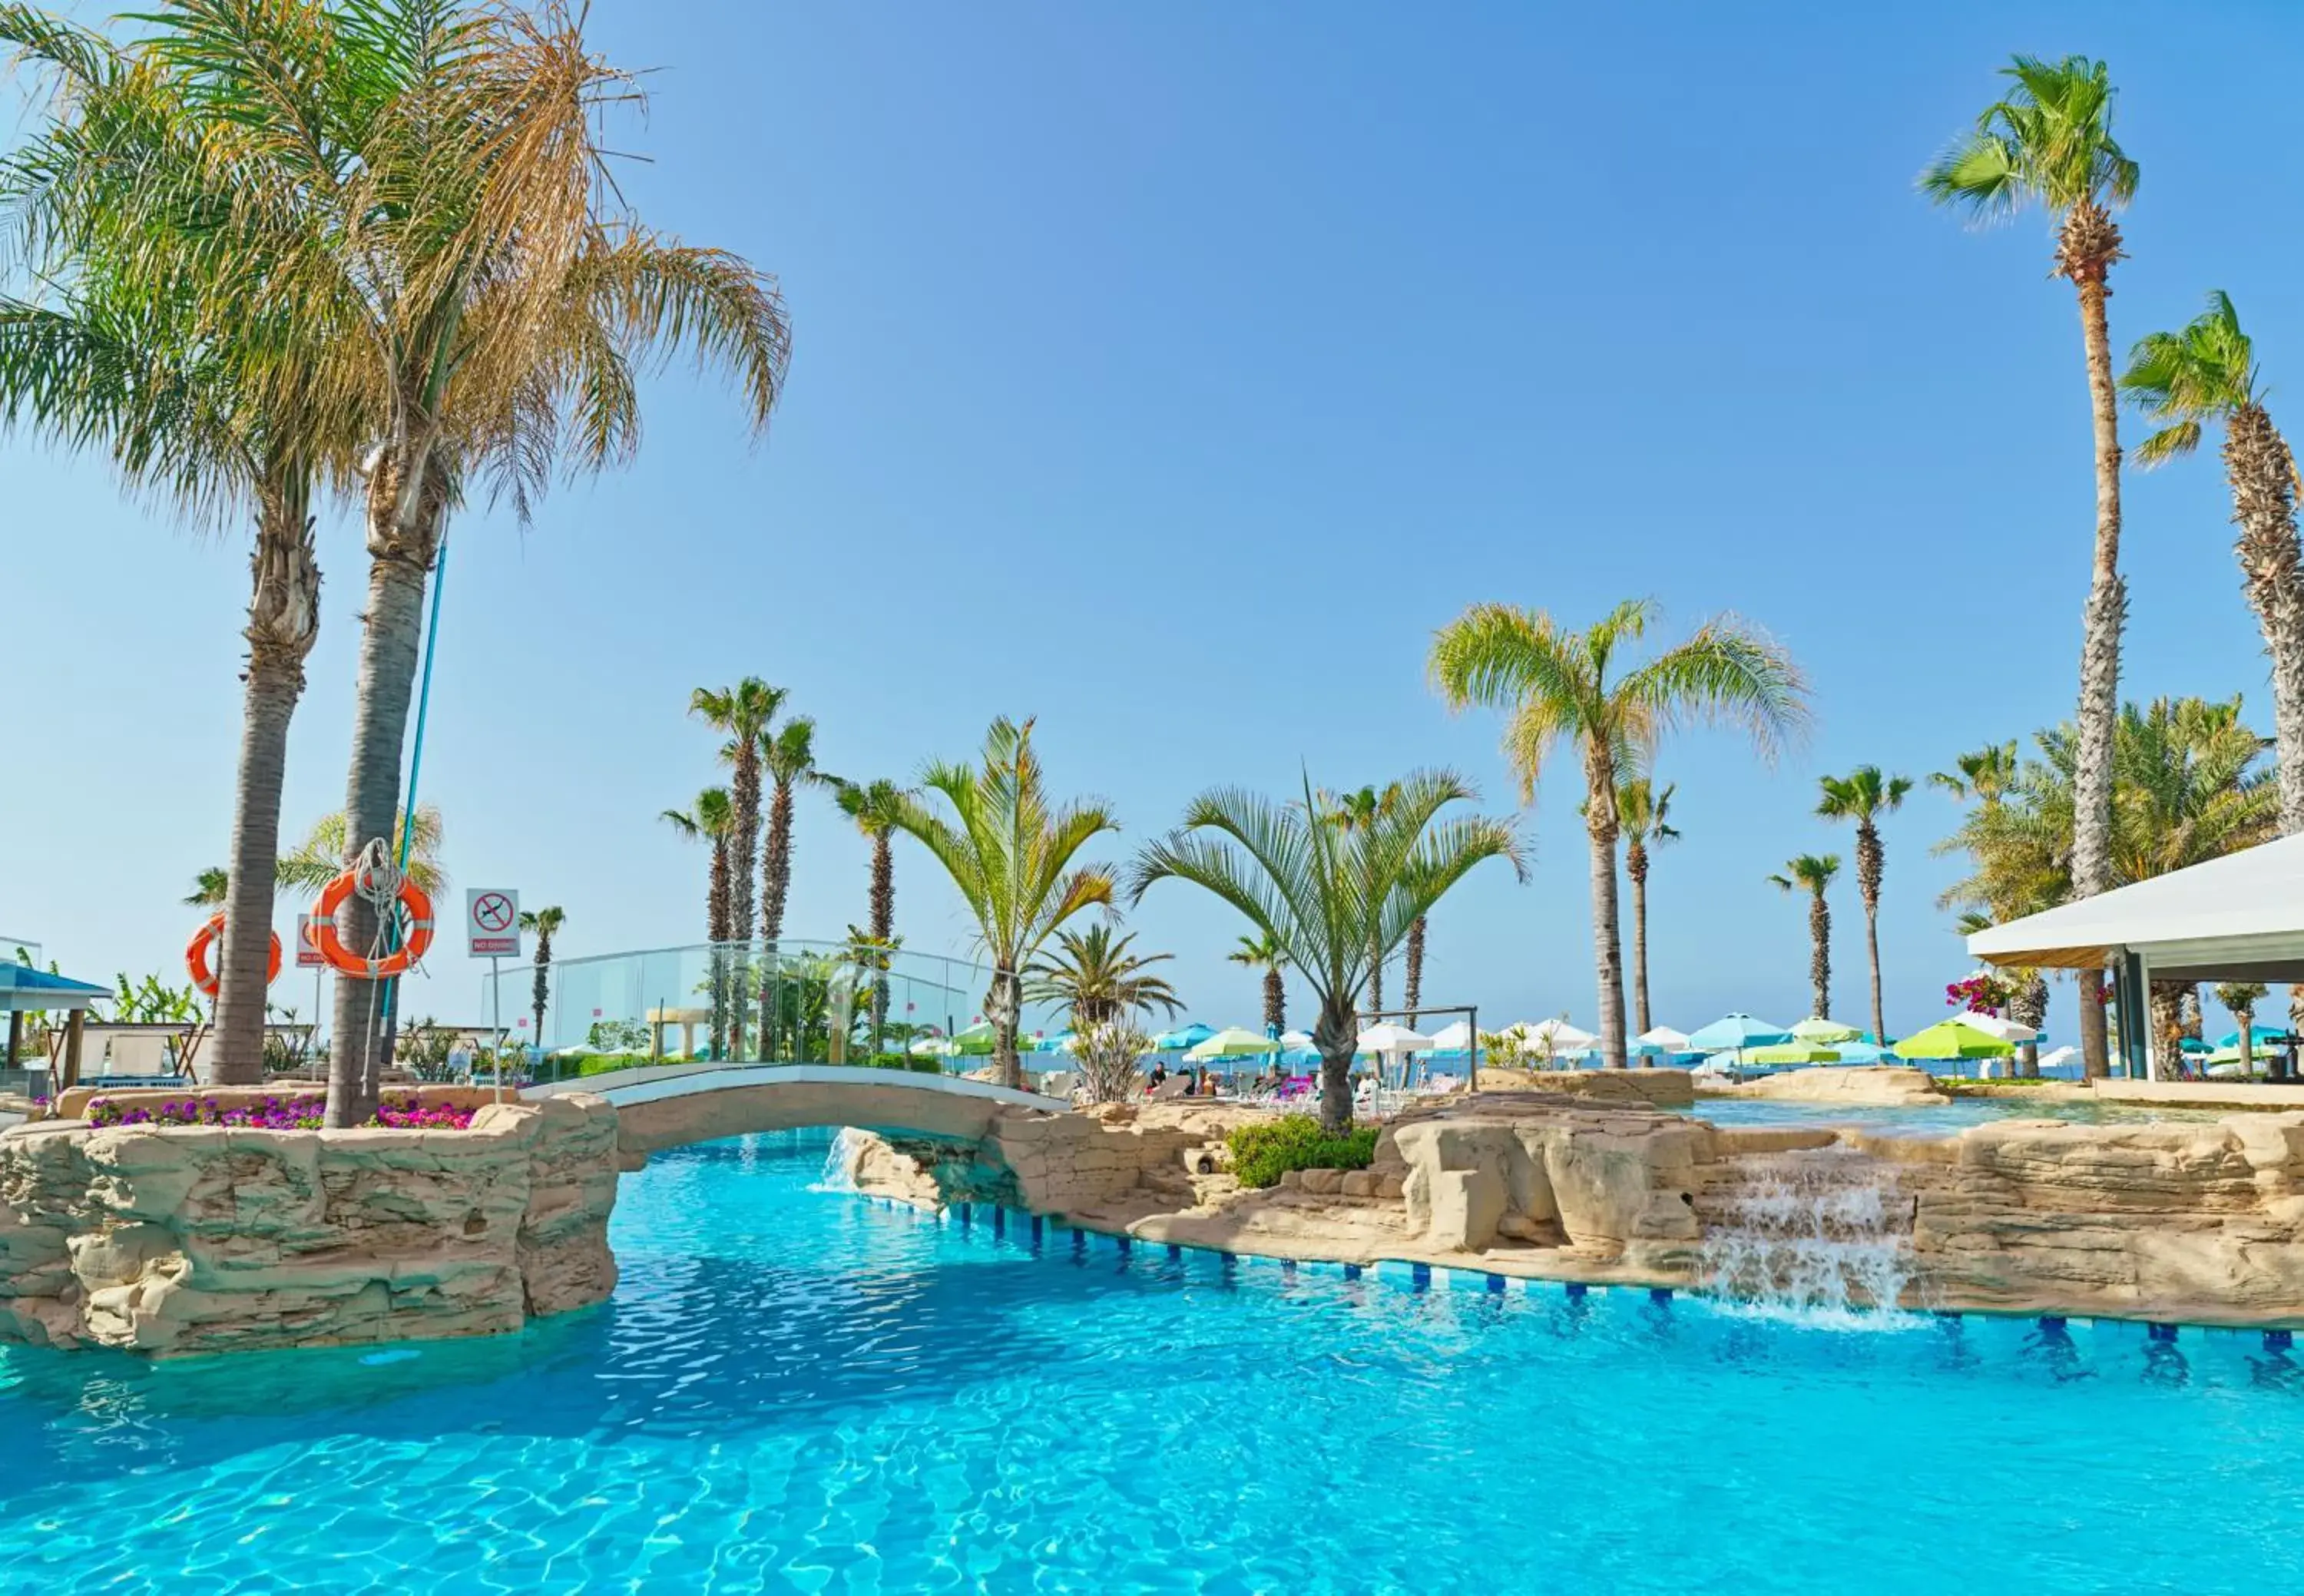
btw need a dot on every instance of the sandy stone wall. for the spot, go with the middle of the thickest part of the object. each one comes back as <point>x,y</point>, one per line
<point>2201,1223</point>
<point>1866,1085</point>
<point>197,1239</point>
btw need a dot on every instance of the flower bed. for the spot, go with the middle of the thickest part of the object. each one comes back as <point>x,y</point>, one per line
<point>302,1113</point>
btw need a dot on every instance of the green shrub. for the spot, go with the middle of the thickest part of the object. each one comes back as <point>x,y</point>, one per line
<point>927,1064</point>
<point>1262,1153</point>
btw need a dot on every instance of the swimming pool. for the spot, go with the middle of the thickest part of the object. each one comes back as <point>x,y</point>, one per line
<point>801,1390</point>
<point>1936,1119</point>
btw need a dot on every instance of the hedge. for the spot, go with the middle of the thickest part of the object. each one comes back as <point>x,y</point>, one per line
<point>1262,1153</point>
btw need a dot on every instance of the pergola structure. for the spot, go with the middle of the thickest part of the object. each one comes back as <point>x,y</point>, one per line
<point>26,990</point>
<point>2239,917</point>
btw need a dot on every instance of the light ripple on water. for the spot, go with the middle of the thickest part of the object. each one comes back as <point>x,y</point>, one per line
<point>800,1391</point>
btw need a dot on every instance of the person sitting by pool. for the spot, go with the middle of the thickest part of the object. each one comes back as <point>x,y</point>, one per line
<point>1159,1076</point>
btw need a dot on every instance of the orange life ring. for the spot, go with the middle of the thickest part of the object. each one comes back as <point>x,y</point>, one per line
<point>337,956</point>
<point>196,956</point>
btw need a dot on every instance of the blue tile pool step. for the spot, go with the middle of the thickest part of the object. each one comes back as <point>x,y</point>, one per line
<point>1416,1278</point>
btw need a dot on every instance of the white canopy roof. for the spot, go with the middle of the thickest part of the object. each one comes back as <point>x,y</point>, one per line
<point>2236,917</point>
<point>1389,1037</point>
<point>1454,1037</point>
<point>2007,1031</point>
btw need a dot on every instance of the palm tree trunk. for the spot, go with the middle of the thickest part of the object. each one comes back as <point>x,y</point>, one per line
<point>1607,939</point>
<point>236,1049</point>
<point>1412,978</point>
<point>2167,1011</point>
<point>744,849</point>
<point>1636,868</point>
<point>1872,957</point>
<point>775,885</point>
<point>1003,1005</point>
<point>1275,1001</point>
<point>1338,1039</point>
<point>884,926</point>
<point>2263,477</point>
<point>2089,245</point>
<point>1819,958</point>
<point>543,991</point>
<point>393,629</point>
<point>1376,979</point>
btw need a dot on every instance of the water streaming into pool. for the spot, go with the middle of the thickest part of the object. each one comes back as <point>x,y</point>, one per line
<point>801,1390</point>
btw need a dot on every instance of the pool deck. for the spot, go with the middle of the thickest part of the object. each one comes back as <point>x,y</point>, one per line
<point>2199,1094</point>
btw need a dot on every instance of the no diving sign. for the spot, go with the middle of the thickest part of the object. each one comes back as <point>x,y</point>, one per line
<point>492,922</point>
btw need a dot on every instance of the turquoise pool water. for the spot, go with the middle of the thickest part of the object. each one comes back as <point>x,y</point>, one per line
<point>797,1390</point>
<point>1939,1119</point>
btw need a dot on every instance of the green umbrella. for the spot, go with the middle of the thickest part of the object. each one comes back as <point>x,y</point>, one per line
<point>1824,1032</point>
<point>1953,1039</point>
<point>1233,1042</point>
<point>1793,1052</point>
<point>977,1039</point>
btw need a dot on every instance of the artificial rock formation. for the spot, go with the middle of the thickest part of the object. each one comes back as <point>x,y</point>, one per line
<point>199,1238</point>
<point>2202,1222</point>
<point>1851,1085</point>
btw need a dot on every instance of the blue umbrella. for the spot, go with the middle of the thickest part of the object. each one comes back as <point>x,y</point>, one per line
<point>1734,1033</point>
<point>2264,1036</point>
<point>1862,1053</point>
<point>1176,1042</point>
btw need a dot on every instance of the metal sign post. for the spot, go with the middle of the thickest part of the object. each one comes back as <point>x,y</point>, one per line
<point>492,932</point>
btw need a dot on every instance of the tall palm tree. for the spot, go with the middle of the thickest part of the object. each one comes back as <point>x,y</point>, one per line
<point>1011,853</point>
<point>1983,775</point>
<point>2049,142</point>
<point>1811,873</point>
<point>873,806</point>
<point>1412,968</point>
<point>1862,797</point>
<point>546,923</point>
<point>1337,901</point>
<point>743,712</point>
<point>712,820</point>
<point>1097,980</point>
<point>197,375</point>
<point>428,178</point>
<point>1264,952</point>
<point>2207,372</point>
<point>1642,810</point>
<point>1562,686</point>
<point>788,756</point>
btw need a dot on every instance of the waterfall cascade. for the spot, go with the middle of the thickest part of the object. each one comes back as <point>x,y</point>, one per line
<point>1814,1235</point>
<point>840,1163</point>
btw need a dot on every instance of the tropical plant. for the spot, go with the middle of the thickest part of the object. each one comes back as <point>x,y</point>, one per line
<point>2049,142</point>
<point>1643,810</point>
<point>317,859</point>
<point>546,923</point>
<point>209,888</point>
<point>1357,811</point>
<point>1265,1151</point>
<point>1096,979</point>
<point>153,1002</point>
<point>1012,856</point>
<point>872,806</point>
<point>1862,797</point>
<point>431,178</point>
<point>1264,953</point>
<point>2207,372</point>
<point>743,712</point>
<point>2240,998</point>
<point>1983,775</point>
<point>2190,789</point>
<point>788,757</point>
<point>1811,873</point>
<point>712,820</point>
<point>194,371</point>
<point>1560,686</point>
<point>1334,901</point>
<point>1109,1053</point>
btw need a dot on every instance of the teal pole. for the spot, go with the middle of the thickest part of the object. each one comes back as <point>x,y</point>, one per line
<point>416,757</point>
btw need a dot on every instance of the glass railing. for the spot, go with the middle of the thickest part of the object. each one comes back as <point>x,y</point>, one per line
<point>792,1002</point>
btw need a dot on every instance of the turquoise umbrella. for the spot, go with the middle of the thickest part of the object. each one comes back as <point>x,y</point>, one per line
<point>1736,1032</point>
<point>1177,1041</point>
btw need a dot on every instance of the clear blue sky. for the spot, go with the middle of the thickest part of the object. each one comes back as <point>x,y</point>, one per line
<point>1170,373</point>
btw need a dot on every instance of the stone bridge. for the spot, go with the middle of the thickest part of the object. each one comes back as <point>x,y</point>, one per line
<point>665,1106</point>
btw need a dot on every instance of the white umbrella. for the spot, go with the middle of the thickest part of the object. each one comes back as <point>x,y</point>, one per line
<point>1566,1039</point>
<point>933,1046</point>
<point>1293,1040</point>
<point>2006,1031</point>
<point>1389,1037</point>
<point>2059,1057</point>
<point>1453,1039</point>
<point>1663,1039</point>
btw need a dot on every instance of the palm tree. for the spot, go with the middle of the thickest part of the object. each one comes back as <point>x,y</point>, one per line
<point>1010,854</point>
<point>316,861</point>
<point>2241,996</point>
<point>1812,873</point>
<point>1983,775</point>
<point>743,712</point>
<point>1562,686</point>
<point>1863,795</point>
<point>1264,953</point>
<point>546,923</point>
<point>1334,901</point>
<point>1412,968</point>
<point>788,756</point>
<point>1641,808</point>
<point>712,820</point>
<point>2207,372</point>
<point>205,387</point>
<point>873,806</point>
<point>429,177</point>
<point>1097,980</point>
<point>208,888</point>
<point>2050,142</point>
